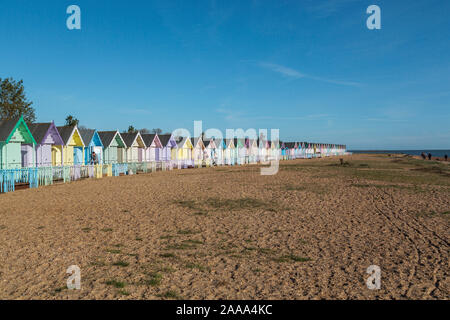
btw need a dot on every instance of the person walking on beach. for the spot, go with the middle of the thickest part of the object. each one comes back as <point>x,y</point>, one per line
<point>429,156</point>
<point>424,157</point>
<point>446,157</point>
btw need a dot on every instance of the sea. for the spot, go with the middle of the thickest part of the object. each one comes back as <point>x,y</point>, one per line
<point>434,153</point>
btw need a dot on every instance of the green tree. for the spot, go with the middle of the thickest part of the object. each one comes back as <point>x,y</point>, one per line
<point>131,129</point>
<point>13,102</point>
<point>71,121</point>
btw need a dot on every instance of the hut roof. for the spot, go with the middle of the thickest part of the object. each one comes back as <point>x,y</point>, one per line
<point>181,141</point>
<point>107,137</point>
<point>206,142</point>
<point>164,138</point>
<point>66,132</point>
<point>148,138</point>
<point>218,142</point>
<point>289,145</point>
<point>129,138</point>
<point>241,140</point>
<point>39,130</point>
<point>86,135</point>
<point>228,141</point>
<point>195,140</point>
<point>6,128</point>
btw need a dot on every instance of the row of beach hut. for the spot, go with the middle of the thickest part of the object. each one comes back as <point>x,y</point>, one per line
<point>69,152</point>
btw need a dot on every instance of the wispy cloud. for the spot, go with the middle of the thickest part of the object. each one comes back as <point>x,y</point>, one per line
<point>285,71</point>
<point>295,74</point>
<point>326,8</point>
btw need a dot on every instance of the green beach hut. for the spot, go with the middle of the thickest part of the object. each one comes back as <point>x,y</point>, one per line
<point>113,147</point>
<point>15,138</point>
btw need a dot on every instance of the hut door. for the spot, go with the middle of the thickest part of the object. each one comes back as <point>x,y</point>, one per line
<point>77,155</point>
<point>24,158</point>
<point>119,155</point>
<point>54,153</point>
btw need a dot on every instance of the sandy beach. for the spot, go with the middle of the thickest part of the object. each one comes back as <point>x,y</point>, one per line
<point>308,232</point>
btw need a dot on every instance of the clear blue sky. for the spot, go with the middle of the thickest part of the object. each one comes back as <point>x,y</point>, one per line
<point>310,68</point>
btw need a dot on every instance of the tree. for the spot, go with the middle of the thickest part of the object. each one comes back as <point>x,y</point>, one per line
<point>144,131</point>
<point>157,131</point>
<point>71,121</point>
<point>131,129</point>
<point>13,102</point>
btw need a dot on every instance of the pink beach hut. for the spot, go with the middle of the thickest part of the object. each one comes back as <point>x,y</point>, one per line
<point>153,150</point>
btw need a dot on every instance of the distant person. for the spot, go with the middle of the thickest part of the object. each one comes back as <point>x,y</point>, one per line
<point>446,157</point>
<point>424,157</point>
<point>429,156</point>
<point>93,158</point>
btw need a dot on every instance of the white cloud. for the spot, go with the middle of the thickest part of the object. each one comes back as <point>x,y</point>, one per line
<point>295,74</point>
<point>288,72</point>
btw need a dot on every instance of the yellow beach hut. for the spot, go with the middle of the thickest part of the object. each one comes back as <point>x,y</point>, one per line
<point>185,151</point>
<point>199,148</point>
<point>73,149</point>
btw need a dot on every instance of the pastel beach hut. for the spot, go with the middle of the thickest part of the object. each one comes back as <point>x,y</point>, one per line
<point>261,149</point>
<point>73,150</point>
<point>327,149</point>
<point>275,149</point>
<point>310,150</point>
<point>198,151</point>
<point>93,144</point>
<point>218,156</point>
<point>228,151</point>
<point>270,150</point>
<point>247,146</point>
<point>254,150</point>
<point>239,150</point>
<point>49,143</point>
<point>169,147</point>
<point>185,152</point>
<point>154,147</point>
<point>135,147</point>
<point>17,145</point>
<point>283,150</point>
<point>294,151</point>
<point>264,148</point>
<point>302,149</point>
<point>209,153</point>
<point>289,149</point>
<point>113,147</point>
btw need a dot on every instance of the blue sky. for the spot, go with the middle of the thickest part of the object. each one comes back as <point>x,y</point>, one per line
<point>310,68</point>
